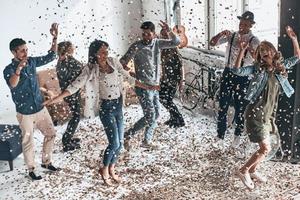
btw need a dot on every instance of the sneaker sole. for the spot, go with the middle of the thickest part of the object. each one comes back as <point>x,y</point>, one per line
<point>241,177</point>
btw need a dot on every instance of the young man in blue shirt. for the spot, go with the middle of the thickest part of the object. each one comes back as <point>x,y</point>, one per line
<point>21,77</point>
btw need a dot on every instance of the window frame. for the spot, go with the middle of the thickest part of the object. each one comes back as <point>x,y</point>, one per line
<point>209,19</point>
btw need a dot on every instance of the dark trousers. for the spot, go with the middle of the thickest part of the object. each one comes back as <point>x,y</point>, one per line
<point>74,105</point>
<point>166,96</point>
<point>232,91</point>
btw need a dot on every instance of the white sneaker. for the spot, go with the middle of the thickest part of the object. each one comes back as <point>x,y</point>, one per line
<point>149,145</point>
<point>245,178</point>
<point>218,143</point>
<point>258,176</point>
<point>240,153</point>
<point>236,141</point>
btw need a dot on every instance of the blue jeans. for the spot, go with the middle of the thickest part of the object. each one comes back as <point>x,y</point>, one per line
<point>149,100</point>
<point>111,116</point>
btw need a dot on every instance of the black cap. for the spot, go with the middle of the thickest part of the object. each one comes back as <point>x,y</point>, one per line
<point>247,16</point>
<point>148,25</point>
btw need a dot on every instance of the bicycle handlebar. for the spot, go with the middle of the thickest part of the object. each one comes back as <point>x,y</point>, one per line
<point>204,65</point>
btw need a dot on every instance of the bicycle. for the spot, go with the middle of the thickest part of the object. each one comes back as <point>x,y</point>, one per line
<point>202,88</point>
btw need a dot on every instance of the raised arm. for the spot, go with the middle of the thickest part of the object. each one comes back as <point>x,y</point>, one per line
<point>42,60</point>
<point>54,33</point>
<point>243,45</point>
<point>253,46</point>
<point>15,76</point>
<point>224,34</point>
<point>237,69</point>
<point>168,43</point>
<point>290,32</point>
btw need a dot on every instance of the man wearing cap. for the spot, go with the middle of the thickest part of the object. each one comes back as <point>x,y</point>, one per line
<point>233,87</point>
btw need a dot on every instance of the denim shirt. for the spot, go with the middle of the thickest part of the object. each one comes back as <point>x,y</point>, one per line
<point>260,78</point>
<point>27,95</point>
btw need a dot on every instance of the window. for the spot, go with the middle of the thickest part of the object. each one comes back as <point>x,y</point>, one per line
<point>224,16</point>
<point>193,17</point>
<point>266,29</point>
<point>205,18</point>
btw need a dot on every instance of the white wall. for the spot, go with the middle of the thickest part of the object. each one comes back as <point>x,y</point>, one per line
<point>267,19</point>
<point>154,11</point>
<point>81,21</point>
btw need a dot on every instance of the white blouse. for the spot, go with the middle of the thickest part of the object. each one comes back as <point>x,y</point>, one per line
<point>110,85</point>
<point>100,85</point>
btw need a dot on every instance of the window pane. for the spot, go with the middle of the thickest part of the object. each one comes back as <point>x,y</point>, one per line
<point>266,14</point>
<point>225,17</point>
<point>193,17</point>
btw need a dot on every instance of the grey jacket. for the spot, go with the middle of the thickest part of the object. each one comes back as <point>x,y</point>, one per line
<point>146,58</point>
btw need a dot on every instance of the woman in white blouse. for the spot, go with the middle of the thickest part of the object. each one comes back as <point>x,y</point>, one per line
<point>103,80</point>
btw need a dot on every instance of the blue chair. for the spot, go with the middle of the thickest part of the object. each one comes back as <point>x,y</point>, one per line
<point>10,143</point>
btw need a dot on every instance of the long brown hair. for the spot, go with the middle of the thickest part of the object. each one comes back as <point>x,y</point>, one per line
<point>277,66</point>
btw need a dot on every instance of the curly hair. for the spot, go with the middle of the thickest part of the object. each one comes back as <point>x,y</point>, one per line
<point>63,47</point>
<point>277,66</point>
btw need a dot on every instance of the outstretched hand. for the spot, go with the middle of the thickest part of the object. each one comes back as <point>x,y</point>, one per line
<point>22,63</point>
<point>290,32</point>
<point>54,29</point>
<point>57,99</point>
<point>164,25</point>
<point>154,87</point>
<point>226,33</point>
<point>47,102</point>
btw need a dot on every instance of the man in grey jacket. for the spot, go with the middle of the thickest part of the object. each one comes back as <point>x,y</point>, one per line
<point>146,57</point>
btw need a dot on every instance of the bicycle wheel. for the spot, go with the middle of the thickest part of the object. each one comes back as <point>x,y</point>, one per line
<point>191,92</point>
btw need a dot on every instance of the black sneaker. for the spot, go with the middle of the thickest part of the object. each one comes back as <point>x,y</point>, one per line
<point>50,167</point>
<point>75,140</point>
<point>33,176</point>
<point>168,122</point>
<point>177,124</point>
<point>71,147</point>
